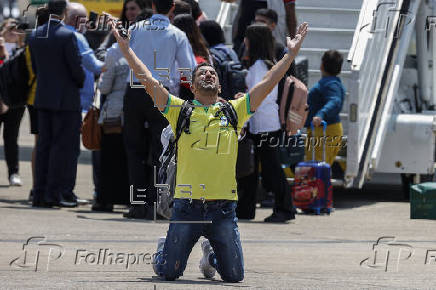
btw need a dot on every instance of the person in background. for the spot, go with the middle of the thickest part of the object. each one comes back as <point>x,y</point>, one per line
<point>43,17</point>
<point>11,120</point>
<point>143,123</point>
<point>180,7</point>
<point>91,65</point>
<point>270,18</point>
<point>265,129</point>
<point>114,178</point>
<point>325,101</point>
<point>131,10</point>
<point>197,13</point>
<point>113,173</point>
<point>186,23</point>
<point>287,20</point>
<point>214,36</point>
<point>92,68</point>
<point>56,62</point>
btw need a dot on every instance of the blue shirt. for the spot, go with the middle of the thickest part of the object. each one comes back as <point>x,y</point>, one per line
<point>91,66</point>
<point>325,100</point>
<point>171,46</point>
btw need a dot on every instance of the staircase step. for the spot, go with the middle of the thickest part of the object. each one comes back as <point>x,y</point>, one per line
<point>331,38</point>
<point>315,76</point>
<point>328,17</point>
<point>351,4</point>
<point>314,56</point>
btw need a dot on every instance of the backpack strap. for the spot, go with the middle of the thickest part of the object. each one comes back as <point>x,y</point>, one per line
<point>221,54</point>
<point>230,113</point>
<point>183,120</point>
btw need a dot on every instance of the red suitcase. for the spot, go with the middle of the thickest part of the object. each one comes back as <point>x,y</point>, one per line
<point>313,190</point>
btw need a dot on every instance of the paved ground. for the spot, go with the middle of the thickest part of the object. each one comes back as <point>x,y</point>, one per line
<point>320,252</point>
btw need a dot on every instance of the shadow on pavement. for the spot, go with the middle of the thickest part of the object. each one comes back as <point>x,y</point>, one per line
<point>201,281</point>
<point>25,153</point>
<point>369,194</point>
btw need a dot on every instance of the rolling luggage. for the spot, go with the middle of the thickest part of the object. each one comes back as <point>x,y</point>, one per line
<point>313,189</point>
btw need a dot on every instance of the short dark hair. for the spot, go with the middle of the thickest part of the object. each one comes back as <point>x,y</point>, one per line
<point>268,13</point>
<point>212,32</point>
<point>332,62</point>
<point>57,7</point>
<point>163,6</point>
<point>197,68</point>
<point>196,10</point>
<point>145,14</point>
<point>181,7</point>
<point>42,16</point>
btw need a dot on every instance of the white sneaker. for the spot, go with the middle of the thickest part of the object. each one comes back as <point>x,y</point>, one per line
<point>205,268</point>
<point>15,180</point>
<point>160,246</point>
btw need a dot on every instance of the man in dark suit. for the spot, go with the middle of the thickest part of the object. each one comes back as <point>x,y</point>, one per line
<point>57,63</point>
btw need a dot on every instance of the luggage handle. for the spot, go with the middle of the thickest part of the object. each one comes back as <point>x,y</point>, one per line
<point>324,130</point>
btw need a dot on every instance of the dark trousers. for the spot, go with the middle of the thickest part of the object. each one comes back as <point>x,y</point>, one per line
<point>268,155</point>
<point>223,234</point>
<point>113,185</point>
<point>96,169</point>
<point>11,120</point>
<point>143,125</point>
<point>57,152</point>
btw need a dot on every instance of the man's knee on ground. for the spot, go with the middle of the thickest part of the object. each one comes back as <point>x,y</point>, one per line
<point>234,276</point>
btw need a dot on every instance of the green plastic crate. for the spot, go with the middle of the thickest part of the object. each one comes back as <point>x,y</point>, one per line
<point>423,201</point>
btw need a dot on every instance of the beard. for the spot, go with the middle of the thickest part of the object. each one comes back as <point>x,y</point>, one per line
<point>208,87</point>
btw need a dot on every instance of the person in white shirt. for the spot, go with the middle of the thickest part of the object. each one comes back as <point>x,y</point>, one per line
<point>265,129</point>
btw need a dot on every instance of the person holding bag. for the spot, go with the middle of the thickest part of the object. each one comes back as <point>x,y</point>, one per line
<point>265,129</point>
<point>114,180</point>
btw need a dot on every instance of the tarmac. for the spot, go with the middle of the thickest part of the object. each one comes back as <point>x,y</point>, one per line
<point>80,249</point>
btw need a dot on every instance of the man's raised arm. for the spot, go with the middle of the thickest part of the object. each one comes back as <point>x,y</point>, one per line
<point>259,92</point>
<point>156,91</point>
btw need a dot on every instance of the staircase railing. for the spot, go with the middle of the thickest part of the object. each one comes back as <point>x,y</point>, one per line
<point>373,56</point>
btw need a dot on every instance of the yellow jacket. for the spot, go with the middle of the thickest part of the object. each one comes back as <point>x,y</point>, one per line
<point>32,78</point>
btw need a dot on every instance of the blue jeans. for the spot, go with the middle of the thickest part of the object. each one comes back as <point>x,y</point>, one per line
<point>222,233</point>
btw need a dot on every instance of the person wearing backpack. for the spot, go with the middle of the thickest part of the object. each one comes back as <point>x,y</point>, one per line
<point>11,120</point>
<point>265,130</point>
<point>205,192</point>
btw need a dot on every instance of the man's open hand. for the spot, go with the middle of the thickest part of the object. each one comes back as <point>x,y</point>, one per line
<point>294,44</point>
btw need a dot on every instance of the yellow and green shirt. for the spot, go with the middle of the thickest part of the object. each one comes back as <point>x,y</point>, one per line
<point>206,158</point>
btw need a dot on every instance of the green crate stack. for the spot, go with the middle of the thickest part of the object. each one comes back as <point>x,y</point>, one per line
<point>423,201</point>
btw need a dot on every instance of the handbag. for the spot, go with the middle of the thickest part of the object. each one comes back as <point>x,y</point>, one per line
<point>91,131</point>
<point>112,126</point>
<point>245,164</point>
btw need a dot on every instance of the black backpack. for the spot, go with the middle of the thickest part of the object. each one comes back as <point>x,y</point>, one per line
<point>14,79</point>
<point>231,73</point>
<point>168,166</point>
